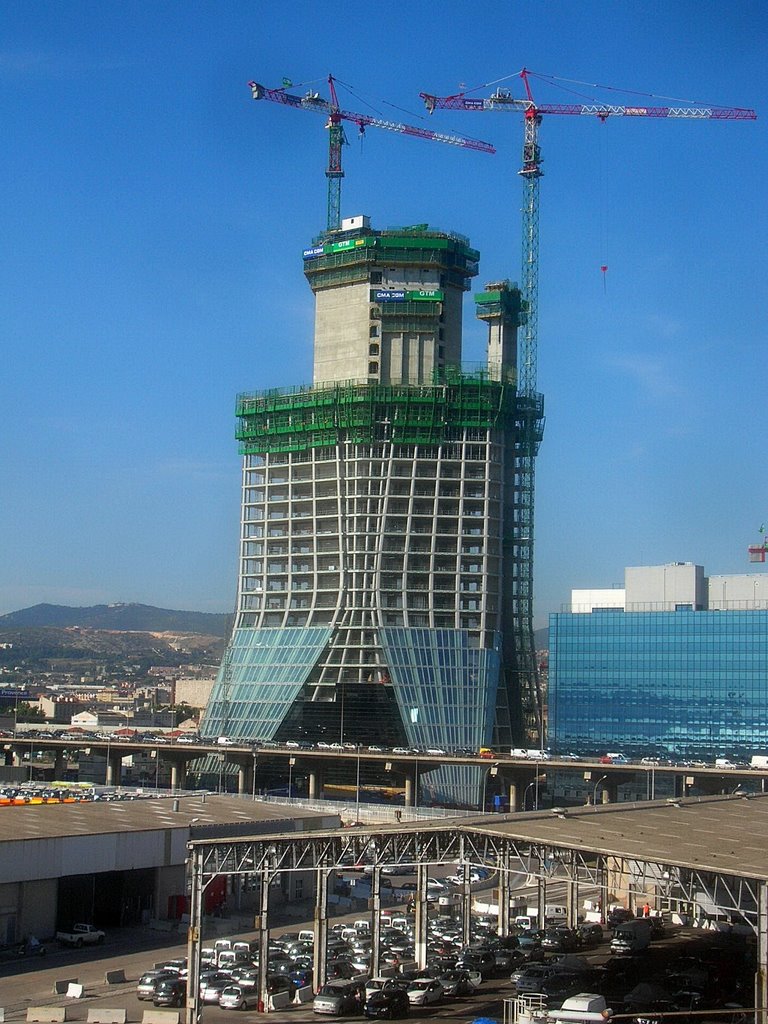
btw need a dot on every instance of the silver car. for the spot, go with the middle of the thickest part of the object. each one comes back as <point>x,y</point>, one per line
<point>213,985</point>
<point>233,997</point>
<point>339,997</point>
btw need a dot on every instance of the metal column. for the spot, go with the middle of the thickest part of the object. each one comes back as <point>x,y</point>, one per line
<point>572,892</point>
<point>761,974</point>
<point>504,915</point>
<point>375,906</point>
<point>421,931</point>
<point>320,952</point>
<point>192,1011</point>
<point>466,904</point>
<point>262,926</point>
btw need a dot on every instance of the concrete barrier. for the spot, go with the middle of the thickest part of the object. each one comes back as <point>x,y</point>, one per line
<point>304,995</point>
<point>60,987</point>
<point>276,1002</point>
<point>46,1014</point>
<point>115,977</point>
<point>160,1017</point>
<point>2,1015</point>
<point>75,991</point>
<point>105,1016</point>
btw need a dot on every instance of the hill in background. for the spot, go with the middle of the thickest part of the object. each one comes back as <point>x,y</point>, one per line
<point>120,617</point>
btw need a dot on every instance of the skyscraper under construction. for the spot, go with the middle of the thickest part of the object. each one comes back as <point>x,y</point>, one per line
<point>385,590</point>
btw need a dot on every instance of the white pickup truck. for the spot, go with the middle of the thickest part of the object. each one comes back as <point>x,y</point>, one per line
<point>81,935</point>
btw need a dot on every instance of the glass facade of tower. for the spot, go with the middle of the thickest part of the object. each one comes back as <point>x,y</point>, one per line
<point>683,684</point>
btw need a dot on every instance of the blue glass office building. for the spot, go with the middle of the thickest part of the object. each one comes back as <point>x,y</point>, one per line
<point>678,683</point>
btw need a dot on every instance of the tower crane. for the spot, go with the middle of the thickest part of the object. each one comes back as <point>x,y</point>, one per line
<point>502,100</point>
<point>336,137</point>
<point>529,403</point>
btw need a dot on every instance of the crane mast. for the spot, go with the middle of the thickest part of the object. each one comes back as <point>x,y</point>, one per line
<point>336,137</point>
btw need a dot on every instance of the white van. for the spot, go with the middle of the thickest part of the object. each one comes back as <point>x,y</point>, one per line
<point>306,935</point>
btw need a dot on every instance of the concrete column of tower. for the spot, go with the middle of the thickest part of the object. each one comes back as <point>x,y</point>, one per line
<point>244,779</point>
<point>178,775</point>
<point>315,783</point>
<point>113,769</point>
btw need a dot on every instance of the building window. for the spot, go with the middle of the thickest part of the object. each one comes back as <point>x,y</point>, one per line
<point>373,368</point>
<point>375,277</point>
<point>373,350</point>
<point>373,331</point>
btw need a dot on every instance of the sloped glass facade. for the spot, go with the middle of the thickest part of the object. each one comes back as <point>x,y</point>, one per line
<point>684,684</point>
<point>260,677</point>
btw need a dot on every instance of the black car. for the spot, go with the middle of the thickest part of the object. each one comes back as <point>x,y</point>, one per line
<point>170,992</point>
<point>561,940</point>
<point>481,960</point>
<point>591,933</point>
<point>388,1002</point>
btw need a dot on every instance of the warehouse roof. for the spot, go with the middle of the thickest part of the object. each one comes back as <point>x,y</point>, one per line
<point>204,815</point>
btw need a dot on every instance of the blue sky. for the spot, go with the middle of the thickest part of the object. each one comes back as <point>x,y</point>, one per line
<point>153,223</point>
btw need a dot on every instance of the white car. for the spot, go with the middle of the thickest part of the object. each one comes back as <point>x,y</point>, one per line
<point>234,997</point>
<point>425,991</point>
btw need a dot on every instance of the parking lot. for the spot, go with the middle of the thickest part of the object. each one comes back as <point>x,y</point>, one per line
<point>682,971</point>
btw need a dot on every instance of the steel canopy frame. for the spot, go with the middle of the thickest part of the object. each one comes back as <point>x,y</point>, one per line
<point>468,843</point>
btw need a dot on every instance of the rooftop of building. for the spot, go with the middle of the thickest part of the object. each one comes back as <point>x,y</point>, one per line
<point>727,835</point>
<point>203,815</point>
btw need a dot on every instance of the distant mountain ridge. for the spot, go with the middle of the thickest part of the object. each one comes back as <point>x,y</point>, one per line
<point>122,617</point>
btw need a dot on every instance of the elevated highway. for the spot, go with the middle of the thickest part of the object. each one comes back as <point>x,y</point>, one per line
<point>516,775</point>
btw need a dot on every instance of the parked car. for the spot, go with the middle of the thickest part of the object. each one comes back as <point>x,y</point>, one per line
<point>170,992</point>
<point>591,933</point>
<point>425,991</point>
<point>457,982</point>
<point>339,997</point>
<point>235,997</point>
<point>145,989</point>
<point>391,1001</point>
<point>481,960</point>
<point>213,985</point>
<point>81,935</point>
<point>340,970</point>
<point>561,940</point>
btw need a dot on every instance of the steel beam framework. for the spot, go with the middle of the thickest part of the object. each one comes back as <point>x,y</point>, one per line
<point>676,885</point>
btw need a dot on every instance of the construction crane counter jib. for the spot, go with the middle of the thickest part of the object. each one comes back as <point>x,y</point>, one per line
<point>336,115</point>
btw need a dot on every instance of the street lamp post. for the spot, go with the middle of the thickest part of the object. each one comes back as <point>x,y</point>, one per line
<point>291,763</point>
<point>494,771</point>
<point>525,793</point>
<point>594,790</point>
